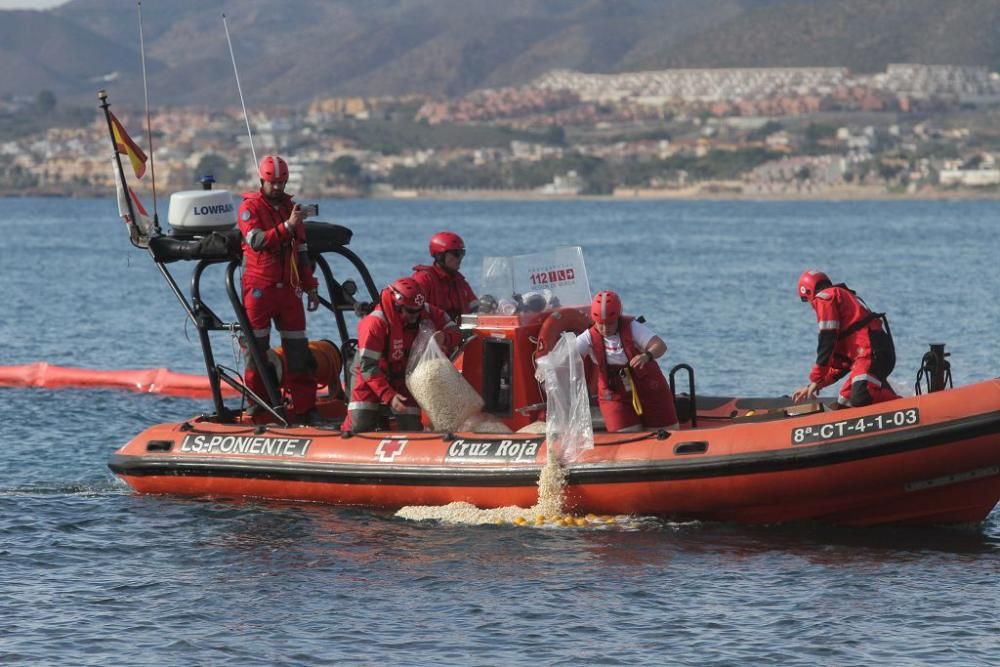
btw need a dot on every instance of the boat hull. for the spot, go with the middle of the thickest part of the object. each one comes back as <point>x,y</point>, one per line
<point>932,459</point>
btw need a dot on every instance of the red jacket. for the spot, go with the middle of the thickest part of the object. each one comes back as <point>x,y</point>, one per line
<point>269,249</point>
<point>384,344</point>
<point>610,387</point>
<point>845,323</point>
<point>448,291</point>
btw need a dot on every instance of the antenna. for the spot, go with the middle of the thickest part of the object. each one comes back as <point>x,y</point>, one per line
<point>240,89</point>
<point>149,133</point>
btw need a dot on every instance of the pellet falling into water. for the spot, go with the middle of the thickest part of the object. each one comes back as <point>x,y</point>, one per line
<point>547,511</point>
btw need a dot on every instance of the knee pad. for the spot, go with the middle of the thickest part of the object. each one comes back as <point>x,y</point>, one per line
<point>298,355</point>
<point>364,420</point>
<point>859,394</point>
<point>264,345</point>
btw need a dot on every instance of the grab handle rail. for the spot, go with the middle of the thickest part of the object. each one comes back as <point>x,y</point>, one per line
<point>673,390</point>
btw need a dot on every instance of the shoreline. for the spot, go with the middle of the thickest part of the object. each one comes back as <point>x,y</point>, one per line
<point>704,193</point>
<point>695,194</point>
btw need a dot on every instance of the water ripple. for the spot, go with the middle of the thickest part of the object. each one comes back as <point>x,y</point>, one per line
<point>92,574</point>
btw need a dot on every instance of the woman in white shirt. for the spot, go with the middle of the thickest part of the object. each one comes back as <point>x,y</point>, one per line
<point>632,392</point>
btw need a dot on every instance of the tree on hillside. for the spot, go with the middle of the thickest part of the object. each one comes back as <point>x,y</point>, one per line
<point>765,130</point>
<point>17,178</point>
<point>217,166</point>
<point>597,175</point>
<point>555,135</point>
<point>889,171</point>
<point>816,136</point>
<point>345,168</point>
<point>973,162</point>
<point>45,102</point>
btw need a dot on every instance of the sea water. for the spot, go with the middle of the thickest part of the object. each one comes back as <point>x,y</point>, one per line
<point>93,574</point>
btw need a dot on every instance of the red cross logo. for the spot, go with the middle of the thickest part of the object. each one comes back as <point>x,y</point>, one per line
<point>388,450</point>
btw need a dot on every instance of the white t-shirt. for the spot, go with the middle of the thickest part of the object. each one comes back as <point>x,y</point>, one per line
<point>613,351</point>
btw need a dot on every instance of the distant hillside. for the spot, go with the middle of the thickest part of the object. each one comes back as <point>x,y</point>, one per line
<point>295,50</point>
<point>40,50</point>
<point>863,35</point>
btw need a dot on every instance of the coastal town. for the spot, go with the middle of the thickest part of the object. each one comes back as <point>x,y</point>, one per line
<point>917,130</point>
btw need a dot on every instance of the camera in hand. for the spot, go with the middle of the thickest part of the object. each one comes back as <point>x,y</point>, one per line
<point>309,210</point>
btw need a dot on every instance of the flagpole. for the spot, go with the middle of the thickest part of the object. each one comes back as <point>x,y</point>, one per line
<point>133,228</point>
<point>149,132</point>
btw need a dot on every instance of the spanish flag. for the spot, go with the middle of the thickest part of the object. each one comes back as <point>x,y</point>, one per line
<point>125,146</point>
<point>142,223</point>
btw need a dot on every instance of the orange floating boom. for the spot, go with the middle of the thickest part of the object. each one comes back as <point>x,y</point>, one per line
<point>147,381</point>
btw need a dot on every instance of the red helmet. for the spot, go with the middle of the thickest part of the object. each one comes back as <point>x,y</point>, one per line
<point>445,241</point>
<point>406,293</point>
<point>273,169</point>
<point>811,282</point>
<point>606,307</point>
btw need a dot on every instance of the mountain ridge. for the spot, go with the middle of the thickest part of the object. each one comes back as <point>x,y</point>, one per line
<point>304,49</point>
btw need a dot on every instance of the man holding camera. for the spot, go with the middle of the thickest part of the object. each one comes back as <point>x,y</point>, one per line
<point>276,272</point>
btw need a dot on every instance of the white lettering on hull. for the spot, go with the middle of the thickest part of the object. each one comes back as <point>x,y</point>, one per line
<point>252,445</point>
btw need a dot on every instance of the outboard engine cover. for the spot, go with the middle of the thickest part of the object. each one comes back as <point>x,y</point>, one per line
<point>197,212</point>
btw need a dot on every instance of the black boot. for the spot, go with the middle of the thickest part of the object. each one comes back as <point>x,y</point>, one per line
<point>308,418</point>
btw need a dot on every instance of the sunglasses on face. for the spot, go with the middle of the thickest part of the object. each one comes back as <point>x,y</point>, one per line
<point>457,253</point>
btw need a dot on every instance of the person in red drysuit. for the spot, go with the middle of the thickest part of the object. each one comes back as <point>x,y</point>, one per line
<point>276,272</point>
<point>385,338</point>
<point>632,391</point>
<point>853,341</point>
<point>442,283</point>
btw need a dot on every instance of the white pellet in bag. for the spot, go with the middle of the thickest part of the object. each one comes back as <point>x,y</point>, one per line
<point>484,423</point>
<point>533,427</point>
<point>437,386</point>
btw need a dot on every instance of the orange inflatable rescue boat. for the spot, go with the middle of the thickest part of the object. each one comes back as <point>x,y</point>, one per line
<point>933,458</point>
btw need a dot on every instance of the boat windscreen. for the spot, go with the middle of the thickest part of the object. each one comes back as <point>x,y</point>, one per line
<point>538,281</point>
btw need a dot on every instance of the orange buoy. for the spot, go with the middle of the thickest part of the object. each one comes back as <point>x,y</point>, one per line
<point>561,319</point>
<point>329,363</point>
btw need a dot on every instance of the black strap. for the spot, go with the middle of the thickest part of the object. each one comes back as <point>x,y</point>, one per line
<point>860,324</point>
<point>864,321</point>
<point>888,331</point>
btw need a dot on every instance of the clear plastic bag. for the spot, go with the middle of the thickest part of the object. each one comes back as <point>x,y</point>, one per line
<point>419,347</point>
<point>437,386</point>
<point>568,426</point>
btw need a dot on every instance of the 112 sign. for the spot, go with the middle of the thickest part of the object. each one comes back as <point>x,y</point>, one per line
<point>553,276</point>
